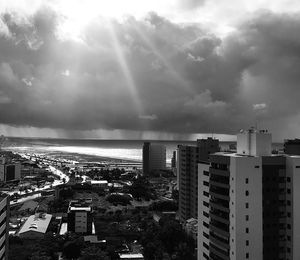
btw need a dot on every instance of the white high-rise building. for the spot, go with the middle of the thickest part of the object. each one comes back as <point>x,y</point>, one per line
<point>248,204</point>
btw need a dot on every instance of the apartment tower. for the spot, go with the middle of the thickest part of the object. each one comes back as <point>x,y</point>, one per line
<point>188,158</point>
<point>154,157</point>
<point>248,205</point>
<point>4,223</point>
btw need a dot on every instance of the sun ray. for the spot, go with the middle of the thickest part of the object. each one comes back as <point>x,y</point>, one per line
<point>125,69</point>
<point>165,62</point>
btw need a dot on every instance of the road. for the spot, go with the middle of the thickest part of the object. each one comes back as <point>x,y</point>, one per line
<point>36,195</point>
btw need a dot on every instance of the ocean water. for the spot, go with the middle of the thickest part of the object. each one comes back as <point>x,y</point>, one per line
<point>94,150</point>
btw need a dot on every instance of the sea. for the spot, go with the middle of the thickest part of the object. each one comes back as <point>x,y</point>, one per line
<point>94,150</point>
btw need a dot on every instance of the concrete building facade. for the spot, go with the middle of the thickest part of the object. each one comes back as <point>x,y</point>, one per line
<point>188,158</point>
<point>292,147</point>
<point>80,218</point>
<point>154,157</point>
<point>9,171</point>
<point>248,203</point>
<point>4,224</point>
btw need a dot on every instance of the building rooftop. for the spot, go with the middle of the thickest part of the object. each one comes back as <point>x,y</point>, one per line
<point>37,223</point>
<point>80,205</point>
<point>131,256</point>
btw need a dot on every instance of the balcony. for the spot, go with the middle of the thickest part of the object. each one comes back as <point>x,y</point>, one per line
<point>218,178</point>
<point>219,204</point>
<point>220,214</point>
<point>218,252</point>
<point>219,196</point>
<point>221,228</point>
<point>219,218</point>
<point>219,172</point>
<point>220,242</point>
<point>219,184</point>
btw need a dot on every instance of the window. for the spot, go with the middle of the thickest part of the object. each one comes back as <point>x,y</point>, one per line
<point>205,214</point>
<point>205,183</point>
<point>247,217</point>
<point>288,202</point>
<point>206,246</point>
<point>205,193</point>
<point>256,166</point>
<point>247,205</point>
<point>289,191</point>
<point>247,255</point>
<point>247,230</point>
<point>247,242</point>
<point>288,179</point>
<point>206,204</point>
<point>247,193</point>
<point>247,180</point>
<point>206,173</point>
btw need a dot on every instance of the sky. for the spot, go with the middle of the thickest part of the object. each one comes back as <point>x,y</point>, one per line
<point>172,69</point>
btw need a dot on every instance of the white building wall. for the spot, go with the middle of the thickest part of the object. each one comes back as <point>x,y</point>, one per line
<point>246,211</point>
<point>202,208</point>
<point>254,143</point>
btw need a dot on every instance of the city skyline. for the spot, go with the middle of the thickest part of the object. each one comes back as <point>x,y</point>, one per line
<point>171,70</point>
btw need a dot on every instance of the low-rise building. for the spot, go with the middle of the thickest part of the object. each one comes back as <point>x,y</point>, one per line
<point>130,256</point>
<point>80,218</point>
<point>35,226</point>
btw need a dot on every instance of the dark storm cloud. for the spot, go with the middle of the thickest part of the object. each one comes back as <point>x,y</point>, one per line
<point>186,78</point>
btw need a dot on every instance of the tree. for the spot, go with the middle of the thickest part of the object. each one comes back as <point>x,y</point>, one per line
<point>93,252</point>
<point>153,251</point>
<point>171,234</point>
<point>164,206</point>
<point>71,250</point>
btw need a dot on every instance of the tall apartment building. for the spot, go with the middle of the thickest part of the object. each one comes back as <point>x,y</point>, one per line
<point>248,206</point>
<point>4,223</point>
<point>188,158</point>
<point>154,157</point>
<point>9,171</point>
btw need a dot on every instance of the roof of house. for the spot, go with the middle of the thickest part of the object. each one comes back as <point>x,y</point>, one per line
<point>131,256</point>
<point>37,223</point>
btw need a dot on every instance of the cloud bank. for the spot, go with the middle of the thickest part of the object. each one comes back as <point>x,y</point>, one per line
<point>149,74</point>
